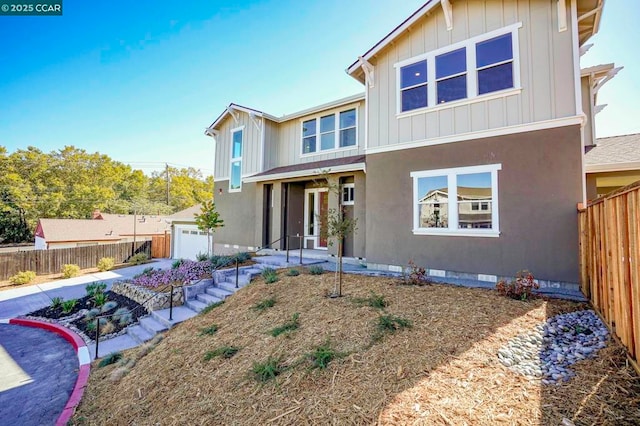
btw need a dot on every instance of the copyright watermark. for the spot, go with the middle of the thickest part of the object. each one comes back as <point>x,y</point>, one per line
<point>30,8</point>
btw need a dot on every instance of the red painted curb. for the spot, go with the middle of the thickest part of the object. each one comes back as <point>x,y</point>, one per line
<point>83,371</point>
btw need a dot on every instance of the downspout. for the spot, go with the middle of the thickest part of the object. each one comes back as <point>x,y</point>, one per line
<point>578,93</point>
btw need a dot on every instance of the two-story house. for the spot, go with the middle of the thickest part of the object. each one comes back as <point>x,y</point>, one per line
<point>463,154</point>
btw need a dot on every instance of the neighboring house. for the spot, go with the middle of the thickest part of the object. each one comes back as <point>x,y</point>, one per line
<point>187,241</point>
<point>103,228</point>
<point>612,163</point>
<point>480,102</point>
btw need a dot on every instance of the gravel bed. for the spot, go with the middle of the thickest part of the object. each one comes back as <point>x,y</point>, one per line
<point>547,352</point>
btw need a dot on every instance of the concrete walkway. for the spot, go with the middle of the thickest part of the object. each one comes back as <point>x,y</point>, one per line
<point>21,301</point>
<point>38,371</point>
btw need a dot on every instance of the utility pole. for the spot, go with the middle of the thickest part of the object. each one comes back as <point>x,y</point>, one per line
<point>166,168</point>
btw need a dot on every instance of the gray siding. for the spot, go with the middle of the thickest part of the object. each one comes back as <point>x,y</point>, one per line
<point>539,186</point>
<point>238,210</point>
<point>546,72</point>
<point>251,150</point>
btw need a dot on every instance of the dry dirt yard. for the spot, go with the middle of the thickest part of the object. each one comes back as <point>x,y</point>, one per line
<point>443,369</point>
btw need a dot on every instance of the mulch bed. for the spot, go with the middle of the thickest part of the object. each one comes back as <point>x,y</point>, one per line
<point>86,303</point>
<point>444,369</point>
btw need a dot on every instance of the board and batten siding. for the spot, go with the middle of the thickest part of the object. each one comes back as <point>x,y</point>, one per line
<point>288,141</point>
<point>251,146</point>
<point>546,72</point>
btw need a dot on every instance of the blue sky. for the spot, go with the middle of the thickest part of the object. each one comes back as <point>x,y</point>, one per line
<point>140,80</point>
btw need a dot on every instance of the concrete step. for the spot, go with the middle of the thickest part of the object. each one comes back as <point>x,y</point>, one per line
<point>180,314</point>
<point>139,334</point>
<point>229,286</point>
<point>119,343</point>
<point>207,299</point>
<point>220,293</point>
<point>151,325</point>
<point>195,305</point>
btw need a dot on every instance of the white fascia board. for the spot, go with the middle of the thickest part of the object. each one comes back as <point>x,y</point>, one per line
<point>330,105</point>
<point>502,131</point>
<point>309,172</point>
<point>613,167</point>
<point>596,69</point>
<point>395,33</point>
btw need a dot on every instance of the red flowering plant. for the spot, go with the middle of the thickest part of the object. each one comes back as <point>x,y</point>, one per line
<point>521,288</point>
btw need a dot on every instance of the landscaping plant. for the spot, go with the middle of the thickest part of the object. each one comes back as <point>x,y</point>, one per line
<point>99,299</point>
<point>264,304</point>
<point>288,326</point>
<point>208,220</point>
<point>56,302</point>
<point>122,316</point>
<point>70,270</point>
<point>293,272</point>
<point>95,288</point>
<point>269,275</point>
<point>202,256</point>
<point>521,288</point>
<point>108,306</point>
<point>416,275</point>
<point>68,305</point>
<point>267,370</point>
<point>185,273</point>
<point>209,331</point>
<point>23,277</point>
<point>224,351</point>
<point>316,270</point>
<point>138,259</point>
<point>112,358</point>
<point>106,264</point>
<point>211,307</point>
<point>322,356</point>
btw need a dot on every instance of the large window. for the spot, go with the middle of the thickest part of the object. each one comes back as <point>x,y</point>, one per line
<point>479,66</point>
<point>235,179</point>
<point>330,132</point>
<point>460,201</point>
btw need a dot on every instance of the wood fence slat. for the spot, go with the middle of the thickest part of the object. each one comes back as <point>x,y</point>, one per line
<point>610,263</point>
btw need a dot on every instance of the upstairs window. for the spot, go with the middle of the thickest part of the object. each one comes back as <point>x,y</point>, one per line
<point>330,132</point>
<point>235,179</point>
<point>466,70</point>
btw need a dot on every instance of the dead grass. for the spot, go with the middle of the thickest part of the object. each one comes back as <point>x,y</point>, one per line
<point>442,370</point>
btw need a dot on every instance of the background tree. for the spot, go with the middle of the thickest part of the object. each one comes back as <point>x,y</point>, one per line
<point>209,220</point>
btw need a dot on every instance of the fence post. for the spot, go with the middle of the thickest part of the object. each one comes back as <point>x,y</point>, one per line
<point>97,334</point>
<point>171,304</point>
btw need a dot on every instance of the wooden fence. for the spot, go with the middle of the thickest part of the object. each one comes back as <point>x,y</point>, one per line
<point>161,245</point>
<point>51,261</point>
<point>610,262</point>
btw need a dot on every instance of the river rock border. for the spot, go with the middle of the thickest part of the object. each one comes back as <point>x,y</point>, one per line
<point>547,352</point>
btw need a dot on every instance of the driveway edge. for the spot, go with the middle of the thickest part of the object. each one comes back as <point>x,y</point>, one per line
<point>84,362</point>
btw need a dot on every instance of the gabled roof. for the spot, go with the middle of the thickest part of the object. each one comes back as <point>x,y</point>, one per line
<point>615,153</point>
<point>187,213</point>
<point>589,14</point>
<point>466,192</point>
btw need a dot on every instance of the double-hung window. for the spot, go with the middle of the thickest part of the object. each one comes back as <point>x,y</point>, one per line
<point>235,179</point>
<point>459,201</point>
<point>329,132</point>
<point>469,69</point>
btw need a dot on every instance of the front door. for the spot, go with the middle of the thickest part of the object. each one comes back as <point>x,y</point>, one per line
<point>316,206</point>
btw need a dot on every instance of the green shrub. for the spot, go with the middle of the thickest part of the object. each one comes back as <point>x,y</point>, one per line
<point>201,257</point>
<point>91,314</point>
<point>112,358</point>
<point>122,316</point>
<point>241,257</point>
<point>70,270</point>
<point>268,370</point>
<point>316,270</point>
<point>99,299</point>
<point>209,331</point>
<point>22,277</point>
<point>224,351</point>
<point>322,356</point>
<point>391,323</point>
<point>138,259</point>
<point>95,288</point>
<point>106,264</point>
<point>68,305</point>
<point>221,261</point>
<point>293,272</point>
<point>91,326</point>
<point>288,326</point>
<point>176,264</point>
<point>211,307</point>
<point>108,306</point>
<point>56,302</point>
<point>269,275</point>
<point>375,301</point>
<point>264,304</point>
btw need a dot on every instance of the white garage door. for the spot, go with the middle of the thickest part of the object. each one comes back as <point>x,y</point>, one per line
<point>189,241</point>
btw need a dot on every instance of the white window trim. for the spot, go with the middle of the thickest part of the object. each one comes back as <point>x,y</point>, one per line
<point>348,203</point>
<point>472,72</point>
<point>337,129</point>
<point>236,159</point>
<point>451,174</point>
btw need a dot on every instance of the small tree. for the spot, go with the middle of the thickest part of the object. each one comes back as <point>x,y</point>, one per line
<point>208,220</point>
<point>336,226</point>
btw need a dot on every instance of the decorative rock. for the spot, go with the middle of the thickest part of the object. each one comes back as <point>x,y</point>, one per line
<point>550,348</point>
<point>144,296</point>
